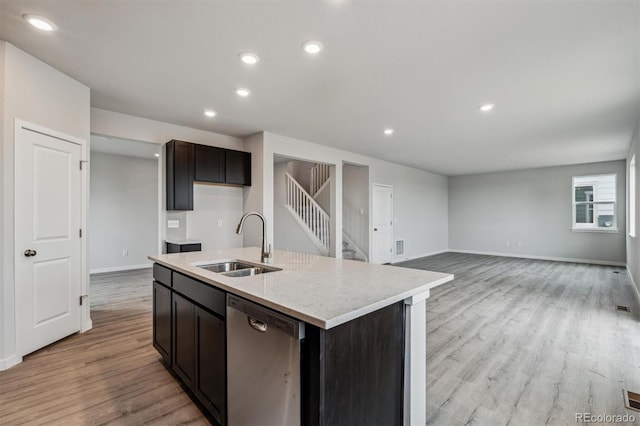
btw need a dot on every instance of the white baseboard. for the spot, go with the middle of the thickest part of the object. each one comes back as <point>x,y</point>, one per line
<point>120,268</point>
<point>86,326</point>
<point>417,256</point>
<point>528,256</point>
<point>633,283</point>
<point>10,362</point>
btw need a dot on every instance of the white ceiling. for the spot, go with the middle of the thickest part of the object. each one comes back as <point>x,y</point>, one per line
<point>564,75</point>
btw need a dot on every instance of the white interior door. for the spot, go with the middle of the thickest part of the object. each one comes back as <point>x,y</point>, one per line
<point>47,241</point>
<point>382,219</point>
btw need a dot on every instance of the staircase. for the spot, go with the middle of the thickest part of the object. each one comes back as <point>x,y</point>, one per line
<point>308,213</point>
<point>312,218</point>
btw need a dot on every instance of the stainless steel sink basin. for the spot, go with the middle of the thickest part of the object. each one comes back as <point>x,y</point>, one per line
<point>237,268</point>
<point>249,272</point>
<point>232,265</point>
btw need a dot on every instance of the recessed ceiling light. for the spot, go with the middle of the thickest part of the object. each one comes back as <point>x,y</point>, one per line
<point>487,107</point>
<point>249,58</point>
<point>209,113</point>
<point>243,92</point>
<point>156,154</point>
<point>388,131</point>
<point>312,47</point>
<point>40,23</point>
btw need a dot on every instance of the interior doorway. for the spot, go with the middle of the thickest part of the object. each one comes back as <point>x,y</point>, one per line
<point>125,204</point>
<point>355,212</point>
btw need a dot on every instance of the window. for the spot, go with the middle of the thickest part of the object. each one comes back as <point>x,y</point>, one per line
<point>632,196</point>
<point>594,203</point>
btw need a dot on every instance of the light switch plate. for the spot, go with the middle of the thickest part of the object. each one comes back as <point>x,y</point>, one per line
<point>219,223</point>
<point>173,224</point>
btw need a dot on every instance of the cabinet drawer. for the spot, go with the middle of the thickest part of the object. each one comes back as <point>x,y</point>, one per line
<point>201,293</point>
<point>162,274</point>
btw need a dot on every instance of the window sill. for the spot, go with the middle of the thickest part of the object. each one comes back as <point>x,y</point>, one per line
<point>632,235</point>
<point>602,230</point>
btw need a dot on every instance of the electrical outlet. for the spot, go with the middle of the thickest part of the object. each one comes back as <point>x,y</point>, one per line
<point>173,224</point>
<point>125,252</point>
<point>519,243</point>
<point>219,223</point>
<point>507,243</point>
<point>361,211</point>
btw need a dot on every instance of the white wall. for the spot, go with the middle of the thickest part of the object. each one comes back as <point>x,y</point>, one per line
<point>254,195</point>
<point>531,207</point>
<point>420,197</point>
<point>212,203</point>
<point>355,198</point>
<point>36,93</point>
<point>288,234</point>
<point>124,211</point>
<point>633,243</point>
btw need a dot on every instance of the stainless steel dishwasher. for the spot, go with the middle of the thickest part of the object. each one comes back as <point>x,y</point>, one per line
<point>263,365</point>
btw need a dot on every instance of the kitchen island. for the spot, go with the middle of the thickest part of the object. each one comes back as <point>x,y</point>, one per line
<point>362,353</point>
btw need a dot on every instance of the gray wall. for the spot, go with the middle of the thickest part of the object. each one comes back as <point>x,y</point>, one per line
<point>211,204</point>
<point>124,211</point>
<point>355,198</point>
<point>531,209</point>
<point>633,249</point>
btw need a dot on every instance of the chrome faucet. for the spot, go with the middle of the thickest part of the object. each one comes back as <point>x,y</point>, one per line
<point>266,251</point>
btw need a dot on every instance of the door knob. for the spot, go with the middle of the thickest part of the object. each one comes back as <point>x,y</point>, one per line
<point>30,253</point>
<point>375,229</point>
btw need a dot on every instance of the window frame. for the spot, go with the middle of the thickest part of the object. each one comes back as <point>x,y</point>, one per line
<point>580,227</point>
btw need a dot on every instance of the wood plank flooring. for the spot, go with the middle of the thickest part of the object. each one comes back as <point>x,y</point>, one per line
<point>509,341</point>
<point>528,342</point>
<point>109,375</point>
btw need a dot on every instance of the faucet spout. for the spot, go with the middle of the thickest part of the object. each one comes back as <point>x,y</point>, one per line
<point>266,250</point>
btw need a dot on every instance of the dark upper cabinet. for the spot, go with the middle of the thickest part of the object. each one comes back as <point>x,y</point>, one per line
<point>180,175</point>
<point>209,164</point>
<point>188,162</point>
<point>238,168</point>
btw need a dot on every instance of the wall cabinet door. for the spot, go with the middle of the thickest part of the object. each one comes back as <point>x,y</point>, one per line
<point>211,380</point>
<point>238,168</point>
<point>209,164</point>
<point>162,320</point>
<point>180,175</point>
<point>184,361</point>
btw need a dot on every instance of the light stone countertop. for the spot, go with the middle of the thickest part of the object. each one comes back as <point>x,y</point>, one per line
<point>322,291</point>
<point>182,241</point>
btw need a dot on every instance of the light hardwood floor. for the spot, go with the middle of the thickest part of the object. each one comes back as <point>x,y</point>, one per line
<point>509,341</point>
<point>528,342</point>
<point>109,375</point>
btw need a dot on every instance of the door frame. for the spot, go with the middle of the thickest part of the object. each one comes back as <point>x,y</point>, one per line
<point>20,125</point>
<point>371,233</point>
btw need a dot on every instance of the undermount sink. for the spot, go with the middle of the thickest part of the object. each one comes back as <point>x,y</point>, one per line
<point>237,268</point>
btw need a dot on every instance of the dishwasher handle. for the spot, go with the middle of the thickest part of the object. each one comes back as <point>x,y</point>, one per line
<point>257,325</point>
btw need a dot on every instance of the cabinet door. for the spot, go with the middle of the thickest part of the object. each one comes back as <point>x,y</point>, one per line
<point>162,320</point>
<point>179,175</point>
<point>238,168</point>
<point>184,346</point>
<point>209,164</point>
<point>211,382</point>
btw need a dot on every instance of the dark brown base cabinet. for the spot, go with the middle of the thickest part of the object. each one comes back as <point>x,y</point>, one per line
<point>192,339</point>
<point>351,374</point>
